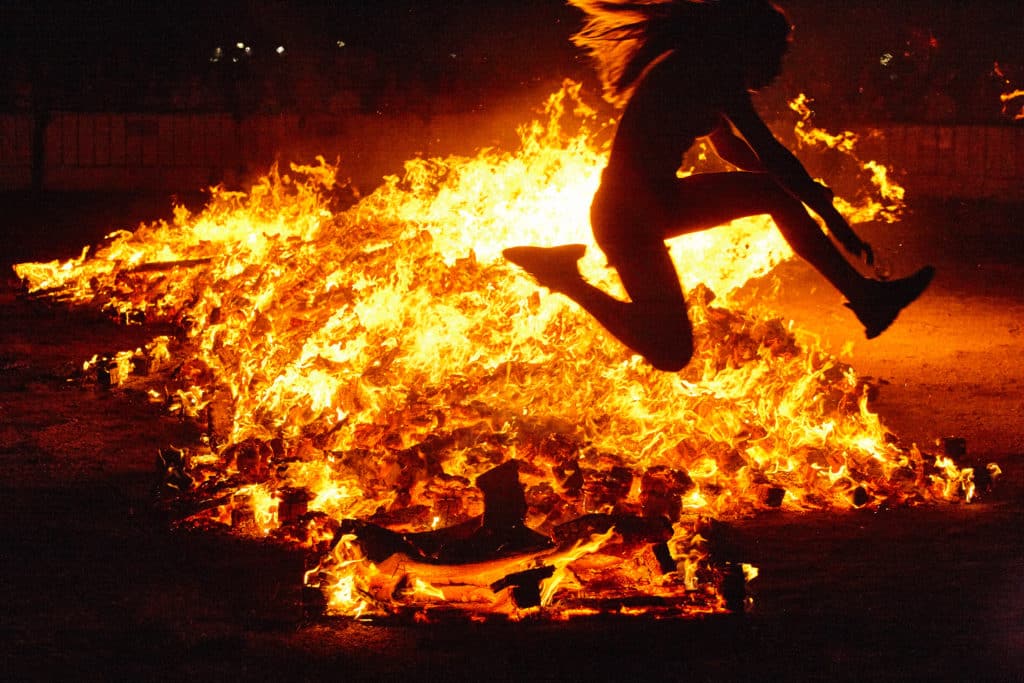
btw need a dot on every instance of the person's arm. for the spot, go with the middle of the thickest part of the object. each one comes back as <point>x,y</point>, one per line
<point>791,175</point>
<point>733,149</point>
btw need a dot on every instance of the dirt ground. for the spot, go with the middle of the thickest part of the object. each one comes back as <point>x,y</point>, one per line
<point>95,586</point>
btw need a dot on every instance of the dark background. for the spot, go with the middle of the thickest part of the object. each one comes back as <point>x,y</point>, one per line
<point>878,60</point>
<point>94,584</point>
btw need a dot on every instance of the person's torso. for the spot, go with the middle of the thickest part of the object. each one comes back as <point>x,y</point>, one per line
<point>673,104</point>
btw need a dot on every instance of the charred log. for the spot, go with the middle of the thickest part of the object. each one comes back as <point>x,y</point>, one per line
<point>733,587</point>
<point>500,532</point>
<point>861,497</point>
<point>293,504</point>
<point>525,585</point>
<point>633,530</point>
<point>378,543</point>
<point>172,470</point>
<point>661,491</point>
<point>773,496</point>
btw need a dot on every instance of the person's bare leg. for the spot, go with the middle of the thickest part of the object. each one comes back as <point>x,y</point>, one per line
<point>653,323</point>
<point>712,199</point>
<point>707,200</point>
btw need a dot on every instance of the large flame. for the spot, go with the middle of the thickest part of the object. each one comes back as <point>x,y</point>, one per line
<point>371,363</point>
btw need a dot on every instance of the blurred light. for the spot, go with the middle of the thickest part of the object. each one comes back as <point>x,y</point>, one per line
<point>885,59</point>
<point>248,50</point>
<point>341,43</point>
<point>240,46</point>
<point>280,49</point>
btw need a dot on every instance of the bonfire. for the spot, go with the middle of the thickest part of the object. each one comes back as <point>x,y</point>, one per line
<point>378,386</point>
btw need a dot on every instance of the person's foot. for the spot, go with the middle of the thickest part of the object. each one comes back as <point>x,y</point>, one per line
<point>883,304</point>
<point>551,267</point>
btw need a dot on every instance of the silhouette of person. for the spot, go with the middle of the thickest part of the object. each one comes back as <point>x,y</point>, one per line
<point>682,70</point>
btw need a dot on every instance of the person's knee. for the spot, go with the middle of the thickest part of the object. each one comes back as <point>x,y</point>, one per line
<point>673,358</point>
<point>665,336</point>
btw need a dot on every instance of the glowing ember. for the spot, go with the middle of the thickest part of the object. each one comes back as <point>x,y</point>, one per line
<point>1011,97</point>
<point>368,377</point>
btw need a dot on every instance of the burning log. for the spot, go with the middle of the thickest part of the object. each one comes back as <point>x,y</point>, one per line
<point>157,266</point>
<point>497,552</point>
<point>663,555</point>
<point>293,504</point>
<point>500,532</point>
<point>661,491</point>
<point>106,372</point>
<point>399,569</point>
<point>773,496</point>
<point>984,477</point>
<point>954,448</point>
<point>604,489</point>
<point>251,458</point>
<point>171,468</point>
<point>733,587</point>
<point>633,530</point>
<point>525,585</point>
<point>243,519</point>
<point>379,543</point>
<point>313,531</point>
<point>503,529</point>
<point>570,476</point>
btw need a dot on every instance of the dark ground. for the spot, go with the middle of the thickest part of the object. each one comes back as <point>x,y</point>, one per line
<point>95,586</point>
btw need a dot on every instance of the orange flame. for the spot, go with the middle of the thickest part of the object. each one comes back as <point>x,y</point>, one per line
<point>1011,95</point>
<point>382,357</point>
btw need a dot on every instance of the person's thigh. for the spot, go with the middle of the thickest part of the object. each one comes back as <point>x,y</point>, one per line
<point>705,200</point>
<point>648,274</point>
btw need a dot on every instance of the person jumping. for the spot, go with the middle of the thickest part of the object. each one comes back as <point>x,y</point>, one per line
<point>682,70</point>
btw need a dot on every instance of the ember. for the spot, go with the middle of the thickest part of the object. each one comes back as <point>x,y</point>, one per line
<point>380,387</point>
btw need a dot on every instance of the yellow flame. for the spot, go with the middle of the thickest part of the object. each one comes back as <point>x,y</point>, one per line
<point>393,357</point>
<point>1008,97</point>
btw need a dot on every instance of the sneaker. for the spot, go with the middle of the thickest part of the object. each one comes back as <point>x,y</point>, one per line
<point>551,267</point>
<point>878,310</point>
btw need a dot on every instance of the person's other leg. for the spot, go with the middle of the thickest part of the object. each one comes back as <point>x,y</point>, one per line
<point>706,200</point>
<point>652,323</point>
<point>703,201</point>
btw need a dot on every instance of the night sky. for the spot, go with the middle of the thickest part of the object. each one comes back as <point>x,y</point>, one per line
<point>947,45</point>
<point>159,29</point>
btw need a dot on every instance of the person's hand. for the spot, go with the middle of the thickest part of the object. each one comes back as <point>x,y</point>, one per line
<point>859,248</point>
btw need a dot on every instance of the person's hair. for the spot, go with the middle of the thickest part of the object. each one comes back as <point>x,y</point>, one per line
<point>623,37</point>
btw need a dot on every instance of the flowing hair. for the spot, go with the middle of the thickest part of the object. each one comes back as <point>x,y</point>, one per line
<point>624,37</point>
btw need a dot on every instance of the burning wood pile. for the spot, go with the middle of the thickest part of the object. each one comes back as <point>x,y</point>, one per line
<point>378,386</point>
